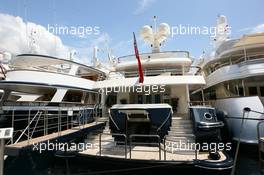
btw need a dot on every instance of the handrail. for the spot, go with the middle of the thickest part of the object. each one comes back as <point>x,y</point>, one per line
<point>113,134</point>
<point>143,136</point>
<point>110,116</point>
<point>27,127</point>
<point>35,125</point>
<point>159,53</point>
<point>151,72</point>
<point>245,110</point>
<point>202,103</point>
<point>240,60</point>
<point>35,120</point>
<point>165,121</point>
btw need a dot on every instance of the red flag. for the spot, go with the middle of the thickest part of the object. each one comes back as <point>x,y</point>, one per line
<point>140,71</point>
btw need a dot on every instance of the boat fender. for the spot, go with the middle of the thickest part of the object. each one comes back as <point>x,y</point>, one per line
<point>214,156</point>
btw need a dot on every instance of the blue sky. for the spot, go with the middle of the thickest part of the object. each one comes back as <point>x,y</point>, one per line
<point>117,20</point>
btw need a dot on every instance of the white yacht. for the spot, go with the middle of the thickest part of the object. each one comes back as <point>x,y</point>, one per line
<point>43,93</point>
<point>234,80</point>
<point>149,115</point>
<point>35,77</point>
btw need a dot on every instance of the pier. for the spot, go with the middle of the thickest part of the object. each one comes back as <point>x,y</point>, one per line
<point>41,124</point>
<point>63,136</point>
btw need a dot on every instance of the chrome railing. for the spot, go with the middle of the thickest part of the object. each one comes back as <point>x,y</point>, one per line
<point>249,59</point>
<point>131,143</point>
<point>114,134</point>
<point>201,103</point>
<point>166,54</point>
<point>187,70</point>
<point>30,122</point>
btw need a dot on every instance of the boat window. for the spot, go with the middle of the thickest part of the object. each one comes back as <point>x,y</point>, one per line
<point>148,99</point>
<point>111,100</point>
<point>241,91</point>
<point>93,97</point>
<point>140,99</point>
<point>252,91</point>
<point>261,88</point>
<point>72,96</point>
<point>157,98</point>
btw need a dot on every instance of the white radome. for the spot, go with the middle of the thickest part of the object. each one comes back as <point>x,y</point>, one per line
<point>146,33</point>
<point>163,32</point>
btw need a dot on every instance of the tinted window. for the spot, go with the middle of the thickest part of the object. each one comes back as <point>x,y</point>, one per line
<point>252,91</point>
<point>240,91</point>
<point>157,98</point>
<point>261,91</point>
<point>140,99</point>
<point>148,98</point>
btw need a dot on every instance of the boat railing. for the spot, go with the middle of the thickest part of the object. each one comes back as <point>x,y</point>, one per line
<point>45,103</point>
<point>97,113</point>
<point>131,143</point>
<point>119,142</point>
<point>248,59</point>
<point>127,143</point>
<point>112,120</point>
<point>165,121</point>
<point>166,54</point>
<point>201,103</point>
<point>184,70</point>
<point>30,122</point>
<point>61,72</point>
<point>40,69</point>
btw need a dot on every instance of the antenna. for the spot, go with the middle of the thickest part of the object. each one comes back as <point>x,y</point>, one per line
<point>155,24</point>
<point>26,23</point>
<point>33,48</point>
<point>221,24</point>
<point>157,36</point>
<point>54,22</point>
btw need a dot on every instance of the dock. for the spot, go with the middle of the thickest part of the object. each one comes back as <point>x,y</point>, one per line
<point>62,136</point>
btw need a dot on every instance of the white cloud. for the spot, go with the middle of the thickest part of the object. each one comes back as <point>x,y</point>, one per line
<point>143,5</point>
<point>86,46</point>
<point>15,37</point>
<point>257,29</point>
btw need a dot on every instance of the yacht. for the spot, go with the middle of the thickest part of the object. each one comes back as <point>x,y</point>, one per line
<point>149,114</point>
<point>42,94</point>
<point>234,80</point>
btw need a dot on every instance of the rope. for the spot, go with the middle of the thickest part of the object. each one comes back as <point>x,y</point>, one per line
<point>246,110</point>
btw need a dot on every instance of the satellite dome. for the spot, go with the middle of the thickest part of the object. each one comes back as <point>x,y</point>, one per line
<point>163,32</point>
<point>146,33</point>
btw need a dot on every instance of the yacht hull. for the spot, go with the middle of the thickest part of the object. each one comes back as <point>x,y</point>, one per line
<point>110,165</point>
<point>233,108</point>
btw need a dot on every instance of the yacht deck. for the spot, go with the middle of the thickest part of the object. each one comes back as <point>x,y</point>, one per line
<point>110,149</point>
